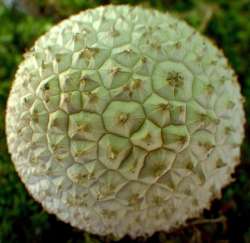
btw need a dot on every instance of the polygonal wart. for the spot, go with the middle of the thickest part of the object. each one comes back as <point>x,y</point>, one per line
<point>136,88</point>
<point>112,150</point>
<point>148,136</point>
<point>85,125</point>
<point>176,137</point>
<point>96,100</point>
<point>172,81</point>
<point>123,118</point>
<point>157,163</point>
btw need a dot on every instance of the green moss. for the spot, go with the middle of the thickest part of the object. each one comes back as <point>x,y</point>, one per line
<point>22,219</point>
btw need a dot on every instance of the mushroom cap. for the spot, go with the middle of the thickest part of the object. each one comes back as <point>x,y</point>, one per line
<point>123,120</point>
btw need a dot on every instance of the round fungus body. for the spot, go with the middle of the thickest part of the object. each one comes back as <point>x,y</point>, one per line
<point>123,120</point>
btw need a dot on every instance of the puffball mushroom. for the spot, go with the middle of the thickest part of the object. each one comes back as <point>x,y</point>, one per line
<point>123,120</point>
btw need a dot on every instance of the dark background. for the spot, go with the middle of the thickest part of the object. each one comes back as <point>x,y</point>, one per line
<point>227,22</point>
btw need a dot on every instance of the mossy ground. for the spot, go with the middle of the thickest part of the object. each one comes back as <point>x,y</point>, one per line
<point>224,21</point>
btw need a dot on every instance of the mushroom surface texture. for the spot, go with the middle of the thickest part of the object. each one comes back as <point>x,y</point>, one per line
<point>124,121</point>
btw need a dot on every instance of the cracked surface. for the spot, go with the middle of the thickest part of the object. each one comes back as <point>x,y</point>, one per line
<point>124,121</point>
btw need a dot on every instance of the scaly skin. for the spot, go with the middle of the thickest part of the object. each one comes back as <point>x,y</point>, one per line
<point>123,120</point>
